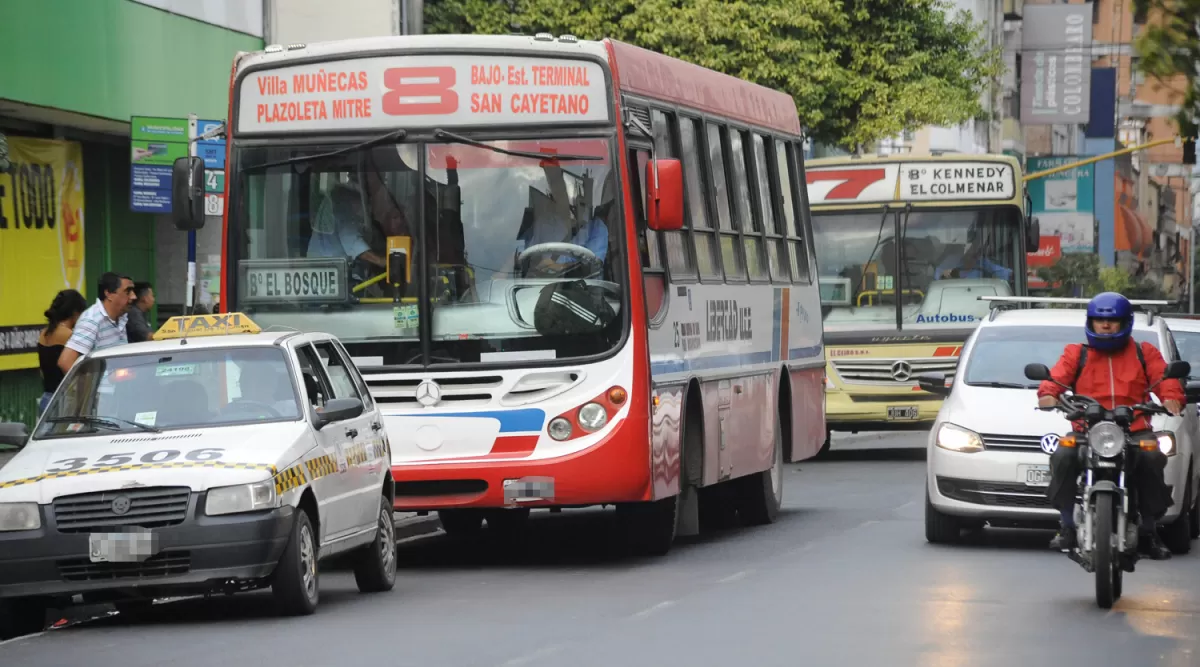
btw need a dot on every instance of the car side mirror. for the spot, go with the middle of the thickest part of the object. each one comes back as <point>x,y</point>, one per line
<point>187,193</point>
<point>336,410</point>
<point>1177,370</point>
<point>934,383</point>
<point>664,190</point>
<point>1037,372</point>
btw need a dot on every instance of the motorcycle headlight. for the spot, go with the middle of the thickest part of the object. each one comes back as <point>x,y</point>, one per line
<point>1106,439</point>
<point>19,516</point>
<point>241,498</point>
<point>958,439</point>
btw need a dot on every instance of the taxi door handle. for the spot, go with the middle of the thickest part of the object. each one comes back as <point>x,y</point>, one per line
<point>376,426</point>
<point>352,433</point>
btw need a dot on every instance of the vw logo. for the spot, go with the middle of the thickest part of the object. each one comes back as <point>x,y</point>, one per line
<point>1049,443</point>
<point>121,505</point>
<point>429,393</point>
<point>901,371</point>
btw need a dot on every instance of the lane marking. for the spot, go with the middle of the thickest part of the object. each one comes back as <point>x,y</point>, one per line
<point>530,657</point>
<point>733,577</point>
<point>646,612</point>
<point>17,639</point>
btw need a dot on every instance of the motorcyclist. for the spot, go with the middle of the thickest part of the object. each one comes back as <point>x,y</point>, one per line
<point>1114,375</point>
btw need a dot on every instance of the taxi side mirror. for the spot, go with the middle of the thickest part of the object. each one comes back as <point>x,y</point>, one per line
<point>336,410</point>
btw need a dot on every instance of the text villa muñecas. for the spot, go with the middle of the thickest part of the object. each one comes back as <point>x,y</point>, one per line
<point>950,181</point>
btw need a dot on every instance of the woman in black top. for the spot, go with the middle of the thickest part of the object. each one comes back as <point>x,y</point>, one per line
<point>61,317</point>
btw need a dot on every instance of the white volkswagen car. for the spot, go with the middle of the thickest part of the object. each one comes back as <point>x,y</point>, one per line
<point>989,449</point>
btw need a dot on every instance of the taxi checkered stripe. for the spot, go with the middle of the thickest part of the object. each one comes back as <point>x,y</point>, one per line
<point>321,466</point>
<point>165,465</point>
<point>290,479</point>
<point>356,455</point>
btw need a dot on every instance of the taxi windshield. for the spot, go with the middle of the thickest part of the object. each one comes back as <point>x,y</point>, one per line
<point>173,390</point>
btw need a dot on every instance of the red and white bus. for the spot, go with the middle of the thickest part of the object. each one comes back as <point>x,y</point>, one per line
<point>468,214</point>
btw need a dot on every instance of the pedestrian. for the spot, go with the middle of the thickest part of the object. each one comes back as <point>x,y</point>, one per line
<point>138,329</point>
<point>61,317</point>
<point>102,325</point>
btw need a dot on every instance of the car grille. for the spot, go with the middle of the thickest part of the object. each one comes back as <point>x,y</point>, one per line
<point>996,494</point>
<point>148,508</point>
<point>164,564</point>
<point>1012,443</point>
<point>880,371</point>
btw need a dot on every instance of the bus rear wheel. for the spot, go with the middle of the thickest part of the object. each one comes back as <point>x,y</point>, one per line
<point>761,495</point>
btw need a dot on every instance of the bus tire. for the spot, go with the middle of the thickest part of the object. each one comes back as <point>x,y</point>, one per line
<point>761,495</point>
<point>461,522</point>
<point>649,527</point>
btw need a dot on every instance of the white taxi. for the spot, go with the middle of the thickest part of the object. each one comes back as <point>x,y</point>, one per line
<point>214,458</point>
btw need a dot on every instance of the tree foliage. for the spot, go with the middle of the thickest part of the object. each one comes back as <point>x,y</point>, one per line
<point>1169,46</point>
<point>1078,275</point>
<point>859,70</point>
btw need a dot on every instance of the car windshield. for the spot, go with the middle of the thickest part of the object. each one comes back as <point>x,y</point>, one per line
<point>947,261</point>
<point>1001,353</point>
<point>176,389</point>
<point>519,260</point>
<point>1188,343</point>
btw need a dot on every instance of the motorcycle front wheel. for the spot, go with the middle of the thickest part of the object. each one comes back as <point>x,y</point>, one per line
<point>1105,558</point>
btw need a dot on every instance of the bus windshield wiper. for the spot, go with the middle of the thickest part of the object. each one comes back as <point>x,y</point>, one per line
<point>113,423</point>
<point>1001,385</point>
<point>443,135</point>
<point>394,135</point>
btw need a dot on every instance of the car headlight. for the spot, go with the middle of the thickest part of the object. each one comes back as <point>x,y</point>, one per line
<point>958,439</point>
<point>19,516</point>
<point>1164,440</point>
<point>1106,439</point>
<point>241,498</point>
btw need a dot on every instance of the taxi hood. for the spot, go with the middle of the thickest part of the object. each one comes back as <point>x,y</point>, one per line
<point>196,458</point>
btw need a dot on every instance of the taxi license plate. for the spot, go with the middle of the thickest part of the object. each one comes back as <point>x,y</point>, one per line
<point>902,413</point>
<point>1034,475</point>
<point>128,547</point>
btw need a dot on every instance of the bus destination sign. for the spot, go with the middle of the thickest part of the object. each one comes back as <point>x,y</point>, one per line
<point>420,92</point>
<point>932,181</point>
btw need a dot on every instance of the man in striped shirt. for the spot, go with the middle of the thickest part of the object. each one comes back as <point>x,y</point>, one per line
<point>103,324</point>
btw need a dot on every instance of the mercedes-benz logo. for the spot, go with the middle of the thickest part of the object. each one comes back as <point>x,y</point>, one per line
<point>1049,443</point>
<point>901,371</point>
<point>121,505</point>
<point>429,393</point>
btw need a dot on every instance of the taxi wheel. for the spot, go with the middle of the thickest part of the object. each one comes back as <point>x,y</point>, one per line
<point>375,564</point>
<point>296,583</point>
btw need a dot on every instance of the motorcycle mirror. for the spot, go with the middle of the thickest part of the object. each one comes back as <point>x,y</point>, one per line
<point>1037,372</point>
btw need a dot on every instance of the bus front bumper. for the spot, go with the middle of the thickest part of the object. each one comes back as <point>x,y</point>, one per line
<point>847,411</point>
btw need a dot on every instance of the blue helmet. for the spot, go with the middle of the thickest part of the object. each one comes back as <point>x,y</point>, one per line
<point>1109,306</point>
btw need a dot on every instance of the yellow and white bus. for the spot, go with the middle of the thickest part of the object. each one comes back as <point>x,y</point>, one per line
<point>905,246</point>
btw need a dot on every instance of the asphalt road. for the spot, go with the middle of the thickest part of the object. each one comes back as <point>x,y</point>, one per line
<point>844,578</point>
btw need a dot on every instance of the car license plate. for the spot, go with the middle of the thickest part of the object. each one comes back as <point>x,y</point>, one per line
<point>902,413</point>
<point>132,546</point>
<point>1034,475</point>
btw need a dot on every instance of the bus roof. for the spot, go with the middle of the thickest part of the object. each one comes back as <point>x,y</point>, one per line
<point>954,179</point>
<point>639,71</point>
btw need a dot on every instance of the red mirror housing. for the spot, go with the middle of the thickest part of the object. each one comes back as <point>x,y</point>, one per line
<point>664,195</point>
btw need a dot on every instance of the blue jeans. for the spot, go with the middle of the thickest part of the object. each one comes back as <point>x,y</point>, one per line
<point>43,402</point>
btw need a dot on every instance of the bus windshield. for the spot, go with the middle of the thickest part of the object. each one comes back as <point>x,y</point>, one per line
<point>522,254</point>
<point>948,258</point>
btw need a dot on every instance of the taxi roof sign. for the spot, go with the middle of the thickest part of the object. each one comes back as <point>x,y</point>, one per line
<point>195,326</point>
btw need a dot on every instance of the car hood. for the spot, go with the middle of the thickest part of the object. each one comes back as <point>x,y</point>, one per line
<point>197,458</point>
<point>1014,412</point>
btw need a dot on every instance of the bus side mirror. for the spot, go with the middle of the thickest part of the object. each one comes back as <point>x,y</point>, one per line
<point>187,193</point>
<point>1033,235</point>
<point>664,195</point>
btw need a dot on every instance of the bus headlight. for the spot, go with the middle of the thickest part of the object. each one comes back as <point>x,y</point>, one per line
<point>241,498</point>
<point>559,428</point>
<point>593,417</point>
<point>958,439</point>
<point>19,516</point>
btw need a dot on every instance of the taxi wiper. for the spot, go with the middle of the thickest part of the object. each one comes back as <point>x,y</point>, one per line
<point>113,423</point>
<point>394,135</point>
<point>443,135</point>
<point>1001,385</point>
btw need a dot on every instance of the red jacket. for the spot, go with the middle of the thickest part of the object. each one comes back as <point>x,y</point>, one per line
<point>1114,378</point>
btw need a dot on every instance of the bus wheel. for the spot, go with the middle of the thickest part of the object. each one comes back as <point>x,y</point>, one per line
<point>760,495</point>
<point>461,522</point>
<point>649,527</point>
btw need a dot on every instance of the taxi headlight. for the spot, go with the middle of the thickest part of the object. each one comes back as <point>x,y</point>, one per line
<point>19,516</point>
<point>958,439</point>
<point>241,498</point>
<point>1106,439</point>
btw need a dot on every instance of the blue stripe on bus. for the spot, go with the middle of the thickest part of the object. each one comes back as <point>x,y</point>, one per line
<point>511,421</point>
<point>731,360</point>
<point>776,325</point>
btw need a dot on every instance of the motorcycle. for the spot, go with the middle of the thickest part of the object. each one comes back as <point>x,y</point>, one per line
<point>1107,539</point>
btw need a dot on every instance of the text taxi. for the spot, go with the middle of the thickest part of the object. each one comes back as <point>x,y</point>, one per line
<point>215,458</point>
